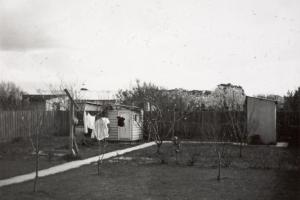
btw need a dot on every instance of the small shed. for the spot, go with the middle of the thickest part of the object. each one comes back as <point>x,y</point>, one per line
<point>261,119</point>
<point>132,127</point>
<point>132,121</point>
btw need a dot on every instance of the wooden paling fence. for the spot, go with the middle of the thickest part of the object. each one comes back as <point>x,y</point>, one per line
<point>288,127</point>
<point>15,124</point>
<point>195,125</point>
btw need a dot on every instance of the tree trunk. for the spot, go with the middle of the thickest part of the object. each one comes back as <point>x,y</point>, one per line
<point>35,188</point>
<point>219,167</point>
<point>241,146</point>
<point>158,148</point>
<point>158,145</point>
<point>101,153</point>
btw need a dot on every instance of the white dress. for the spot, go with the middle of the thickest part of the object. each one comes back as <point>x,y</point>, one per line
<point>101,129</point>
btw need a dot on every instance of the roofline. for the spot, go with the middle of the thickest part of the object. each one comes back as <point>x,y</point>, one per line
<point>122,105</point>
<point>34,95</point>
<point>87,99</point>
<point>263,99</point>
<point>92,103</point>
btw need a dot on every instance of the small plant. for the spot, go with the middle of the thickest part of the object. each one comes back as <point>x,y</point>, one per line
<point>226,158</point>
<point>177,145</point>
<point>50,155</point>
<point>163,159</point>
<point>17,140</point>
<point>71,157</point>
<point>192,159</point>
<point>101,154</point>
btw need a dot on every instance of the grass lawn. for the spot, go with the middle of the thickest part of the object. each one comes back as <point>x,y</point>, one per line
<point>16,157</point>
<point>140,175</point>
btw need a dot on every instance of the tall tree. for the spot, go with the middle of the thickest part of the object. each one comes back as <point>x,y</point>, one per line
<point>10,96</point>
<point>292,101</point>
<point>58,89</point>
<point>160,106</point>
<point>228,97</point>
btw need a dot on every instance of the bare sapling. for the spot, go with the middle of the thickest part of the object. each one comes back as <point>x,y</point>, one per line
<point>37,151</point>
<point>102,146</point>
<point>217,136</point>
<point>177,145</point>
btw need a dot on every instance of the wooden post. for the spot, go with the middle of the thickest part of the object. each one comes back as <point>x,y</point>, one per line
<point>71,117</point>
<point>173,123</point>
<point>37,149</point>
<point>149,134</point>
<point>71,124</point>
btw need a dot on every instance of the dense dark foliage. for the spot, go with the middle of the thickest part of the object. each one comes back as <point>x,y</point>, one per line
<point>10,96</point>
<point>292,101</point>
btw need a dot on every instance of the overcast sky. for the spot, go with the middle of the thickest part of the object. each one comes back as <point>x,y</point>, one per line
<point>192,44</point>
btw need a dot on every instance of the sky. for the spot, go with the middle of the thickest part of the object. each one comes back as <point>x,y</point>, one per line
<point>190,44</point>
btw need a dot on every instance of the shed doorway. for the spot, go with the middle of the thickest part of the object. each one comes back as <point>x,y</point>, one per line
<point>124,132</point>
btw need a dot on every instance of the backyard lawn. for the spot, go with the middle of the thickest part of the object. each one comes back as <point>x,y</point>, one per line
<point>17,157</point>
<point>263,172</point>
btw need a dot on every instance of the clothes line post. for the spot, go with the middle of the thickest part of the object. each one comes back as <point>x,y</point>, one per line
<point>71,135</point>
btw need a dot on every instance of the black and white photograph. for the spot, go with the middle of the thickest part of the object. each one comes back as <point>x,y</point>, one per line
<point>150,99</point>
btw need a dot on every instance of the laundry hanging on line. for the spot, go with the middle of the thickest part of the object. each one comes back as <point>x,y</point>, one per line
<point>101,129</point>
<point>89,122</point>
<point>121,120</point>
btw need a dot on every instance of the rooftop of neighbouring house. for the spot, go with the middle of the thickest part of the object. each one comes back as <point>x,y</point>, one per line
<point>41,97</point>
<point>96,95</point>
<point>85,95</point>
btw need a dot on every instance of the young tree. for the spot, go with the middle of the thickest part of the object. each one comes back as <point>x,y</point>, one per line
<point>36,146</point>
<point>158,126</point>
<point>102,145</point>
<point>217,135</point>
<point>231,101</point>
<point>237,126</point>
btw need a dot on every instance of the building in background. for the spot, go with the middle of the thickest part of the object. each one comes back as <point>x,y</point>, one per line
<point>47,102</point>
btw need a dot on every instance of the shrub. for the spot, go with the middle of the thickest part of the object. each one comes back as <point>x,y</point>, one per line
<point>255,139</point>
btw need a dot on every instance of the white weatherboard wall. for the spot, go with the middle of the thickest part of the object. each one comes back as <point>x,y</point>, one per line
<point>261,119</point>
<point>131,131</point>
<point>113,126</point>
<point>137,133</point>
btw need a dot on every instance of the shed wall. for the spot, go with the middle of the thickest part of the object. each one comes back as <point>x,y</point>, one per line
<point>261,119</point>
<point>136,127</point>
<point>113,126</point>
<point>135,132</point>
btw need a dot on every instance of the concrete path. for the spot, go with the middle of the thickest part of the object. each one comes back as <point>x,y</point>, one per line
<point>69,165</point>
